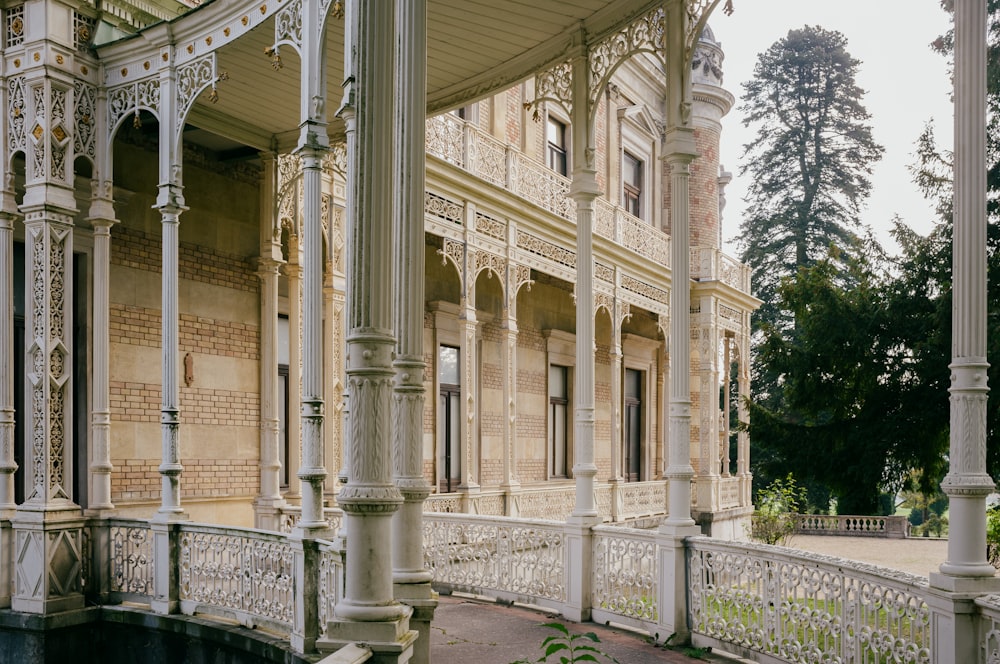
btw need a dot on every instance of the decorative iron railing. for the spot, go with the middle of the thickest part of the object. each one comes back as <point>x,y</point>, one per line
<point>625,577</point>
<point>513,559</point>
<point>804,607</point>
<point>246,575</point>
<point>131,543</point>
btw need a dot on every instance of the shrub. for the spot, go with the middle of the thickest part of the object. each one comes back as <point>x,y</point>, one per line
<point>777,504</point>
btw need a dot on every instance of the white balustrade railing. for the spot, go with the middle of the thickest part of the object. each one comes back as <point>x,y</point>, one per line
<point>639,499</point>
<point>625,577</point>
<point>512,559</point>
<point>804,607</point>
<point>466,146</point>
<point>247,575</point>
<point>710,263</point>
<point>852,526</point>
<point>131,543</point>
<point>989,629</point>
<point>554,503</point>
<point>289,515</point>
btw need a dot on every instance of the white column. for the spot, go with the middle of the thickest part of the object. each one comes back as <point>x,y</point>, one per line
<point>331,392</point>
<point>680,153</point>
<point>967,483</point>
<point>617,443</point>
<point>412,581</point>
<point>269,499</point>
<point>370,498</point>
<point>170,465</point>
<point>312,470</point>
<point>101,219</point>
<point>293,273</point>
<point>7,415</point>
<point>583,191</point>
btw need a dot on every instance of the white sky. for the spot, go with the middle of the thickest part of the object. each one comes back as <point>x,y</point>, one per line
<point>906,84</point>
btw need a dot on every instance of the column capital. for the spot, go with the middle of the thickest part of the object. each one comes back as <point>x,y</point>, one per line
<point>267,266</point>
<point>679,145</point>
<point>170,199</point>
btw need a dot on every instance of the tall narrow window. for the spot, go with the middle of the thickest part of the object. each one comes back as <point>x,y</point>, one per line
<point>558,416</point>
<point>633,425</point>
<point>555,136</point>
<point>450,471</point>
<point>632,184</point>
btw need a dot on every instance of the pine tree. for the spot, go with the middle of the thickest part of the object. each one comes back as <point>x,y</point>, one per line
<point>809,163</point>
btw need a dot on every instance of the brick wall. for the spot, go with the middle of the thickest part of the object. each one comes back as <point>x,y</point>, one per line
<point>226,407</point>
<point>138,479</point>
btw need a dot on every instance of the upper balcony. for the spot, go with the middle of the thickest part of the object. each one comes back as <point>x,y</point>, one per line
<point>465,146</point>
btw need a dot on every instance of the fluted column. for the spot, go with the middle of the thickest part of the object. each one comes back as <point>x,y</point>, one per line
<point>370,498</point>
<point>967,483</point>
<point>679,469</point>
<point>101,219</point>
<point>584,191</point>
<point>269,262</point>
<point>8,467</point>
<point>312,470</point>
<point>412,581</point>
<point>170,462</point>
<point>293,273</point>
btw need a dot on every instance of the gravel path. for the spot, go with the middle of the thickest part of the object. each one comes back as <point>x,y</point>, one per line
<point>918,555</point>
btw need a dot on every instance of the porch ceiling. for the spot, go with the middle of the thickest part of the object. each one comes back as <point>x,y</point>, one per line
<point>475,48</point>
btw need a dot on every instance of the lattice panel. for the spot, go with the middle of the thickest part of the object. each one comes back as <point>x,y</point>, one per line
<point>807,607</point>
<point>525,560</point>
<point>626,569</point>
<point>132,559</point>
<point>247,574</point>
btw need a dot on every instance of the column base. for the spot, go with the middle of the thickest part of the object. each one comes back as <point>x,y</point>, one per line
<point>48,561</point>
<point>267,513</point>
<point>390,642</point>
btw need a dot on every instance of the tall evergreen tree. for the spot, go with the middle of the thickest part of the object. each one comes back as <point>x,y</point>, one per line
<point>809,163</point>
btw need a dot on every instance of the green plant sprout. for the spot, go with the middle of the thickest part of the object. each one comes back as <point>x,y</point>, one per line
<point>569,647</point>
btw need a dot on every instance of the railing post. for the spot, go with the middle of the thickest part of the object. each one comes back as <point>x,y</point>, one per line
<point>166,565</point>
<point>579,563</point>
<point>98,587</point>
<point>305,616</point>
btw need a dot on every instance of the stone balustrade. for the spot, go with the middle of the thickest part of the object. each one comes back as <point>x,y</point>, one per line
<point>896,527</point>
